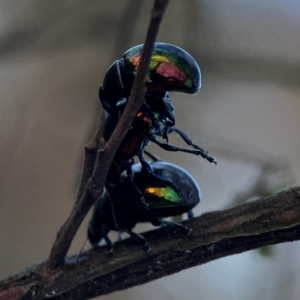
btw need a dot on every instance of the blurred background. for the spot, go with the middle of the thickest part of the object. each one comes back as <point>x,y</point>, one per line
<point>53,56</point>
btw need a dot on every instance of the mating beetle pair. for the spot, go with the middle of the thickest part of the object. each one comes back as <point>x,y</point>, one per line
<point>171,69</point>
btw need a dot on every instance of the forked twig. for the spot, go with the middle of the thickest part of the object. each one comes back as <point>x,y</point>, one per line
<point>95,184</point>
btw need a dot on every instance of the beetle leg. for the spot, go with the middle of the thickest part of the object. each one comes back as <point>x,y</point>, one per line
<point>184,136</point>
<point>152,156</point>
<point>139,238</point>
<point>165,134</point>
<point>108,241</point>
<point>170,147</point>
<point>145,165</point>
<point>190,214</point>
<point>140,197</point>
<point>189,142</point>
<point>159,222</point>
<point>113,213</point>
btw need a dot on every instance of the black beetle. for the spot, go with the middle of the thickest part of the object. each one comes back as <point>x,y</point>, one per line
<point>171,69</point>
<point>119,211</point>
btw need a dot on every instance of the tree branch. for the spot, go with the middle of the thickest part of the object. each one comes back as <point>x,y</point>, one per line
<point>90,156</point>
<point>218,234</point>
<point>95,184</point>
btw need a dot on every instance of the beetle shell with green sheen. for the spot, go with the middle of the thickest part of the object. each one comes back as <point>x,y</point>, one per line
<point>162,199</point>
<point>171,69</point>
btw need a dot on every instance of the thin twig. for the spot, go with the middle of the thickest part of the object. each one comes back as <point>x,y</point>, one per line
<point>96,182</point>
<point>218,234</point>
<point>90,155</point>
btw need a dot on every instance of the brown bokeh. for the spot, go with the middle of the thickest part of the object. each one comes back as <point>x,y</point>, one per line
<point>54,55</point>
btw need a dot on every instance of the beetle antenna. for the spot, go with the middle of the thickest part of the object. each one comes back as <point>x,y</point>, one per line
<point>81,249</point>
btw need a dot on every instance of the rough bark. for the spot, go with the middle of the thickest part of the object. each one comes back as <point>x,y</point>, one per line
<point>214,235</point>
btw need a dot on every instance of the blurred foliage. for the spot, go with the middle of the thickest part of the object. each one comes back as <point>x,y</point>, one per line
<point>266,251</point>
